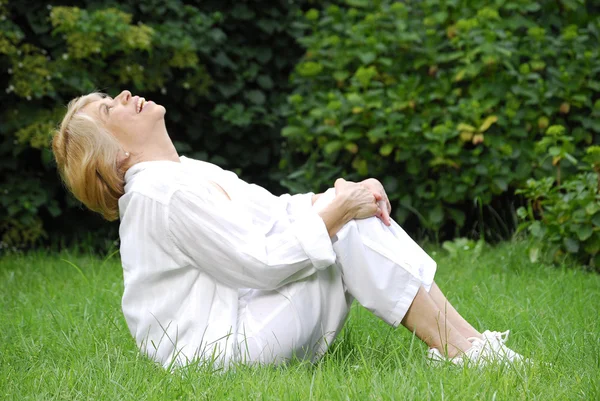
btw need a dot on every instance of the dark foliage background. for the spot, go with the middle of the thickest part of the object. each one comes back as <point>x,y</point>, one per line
<point>465,109</point>
<point>220,68</point>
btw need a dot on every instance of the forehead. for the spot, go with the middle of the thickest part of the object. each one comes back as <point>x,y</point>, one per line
<point>93,105</point>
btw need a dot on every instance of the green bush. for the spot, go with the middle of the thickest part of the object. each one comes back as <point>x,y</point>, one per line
<point>442,100</point>
<point>220,67</point>
<point>563,217</point>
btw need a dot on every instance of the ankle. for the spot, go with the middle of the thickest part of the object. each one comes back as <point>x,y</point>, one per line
<point>448,351</point>
<point>453,352</point>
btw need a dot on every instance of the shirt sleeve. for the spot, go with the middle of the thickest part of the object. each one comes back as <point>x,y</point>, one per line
<point>219,237</point>
<point>298,204</point>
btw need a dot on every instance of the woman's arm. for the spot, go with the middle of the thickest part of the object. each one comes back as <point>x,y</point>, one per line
<point>221,238</point>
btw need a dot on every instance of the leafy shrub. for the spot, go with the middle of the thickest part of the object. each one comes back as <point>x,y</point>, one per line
<point>459,247</point>
<point>442,100</point>
<point>564,217</point>
<point>220,68</point>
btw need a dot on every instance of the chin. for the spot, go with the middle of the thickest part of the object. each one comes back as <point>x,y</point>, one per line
<point>161,109</point>
<point>157,112</point>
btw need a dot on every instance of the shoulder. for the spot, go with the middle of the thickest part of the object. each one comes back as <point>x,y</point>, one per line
<point>206,168</point>
<point>157,182</point>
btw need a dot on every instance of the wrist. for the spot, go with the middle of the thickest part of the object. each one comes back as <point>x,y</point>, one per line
<point>344,207</point>
<point>315,198</point>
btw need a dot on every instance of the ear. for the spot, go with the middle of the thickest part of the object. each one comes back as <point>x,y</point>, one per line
<point>124,160</point>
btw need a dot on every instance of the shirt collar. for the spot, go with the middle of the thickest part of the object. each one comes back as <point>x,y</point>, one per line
<point>141,166</point>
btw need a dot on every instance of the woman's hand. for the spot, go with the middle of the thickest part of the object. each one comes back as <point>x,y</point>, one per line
<point>358,200</point>
<point>355,201</point>
<point>384,203</point>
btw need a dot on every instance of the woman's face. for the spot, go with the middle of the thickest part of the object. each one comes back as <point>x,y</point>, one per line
<point>134,122</point>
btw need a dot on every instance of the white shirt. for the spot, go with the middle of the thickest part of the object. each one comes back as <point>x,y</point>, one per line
<point>187,251</point>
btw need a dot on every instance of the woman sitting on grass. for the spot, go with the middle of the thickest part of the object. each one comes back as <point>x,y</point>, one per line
<point>221,271</point>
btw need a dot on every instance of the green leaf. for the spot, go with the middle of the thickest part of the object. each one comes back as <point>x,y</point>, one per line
<point>367,57</point>
<point>555,130</point>
<point>532,6</point>
<point>596,220</point>
<point>291,131</point>
<point>570,158</point>
<point>54,210</point>
<point>263,54</point>
<point>593,245</point>
<point>534,254</point>
<point>361,166</point>
<point>436,215</point>
<point>377,134</point>
<point>584,232</point>
<point>390,184</point>
<point>312,14</point>
<point>537,229</point>
<point>341,75</point>
<point>223,60</point>
<point>465,127</point>
<point>309,69</point>
<point>256,97</point>
<point>265,82</point>
<point>592,208</point>
<point>332,146</point>
<point>386,149</point>
<point>488,123</point>
<point>458,216</point>
<point>450,247</point>
<point>571,245</point>
<point>522,212</point>
<point>554,151</point>
<point>501,183</point>
<point>355,98</point>
<point>359,3</point>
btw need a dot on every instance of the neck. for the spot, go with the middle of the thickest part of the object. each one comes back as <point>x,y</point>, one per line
<point>162,149</point>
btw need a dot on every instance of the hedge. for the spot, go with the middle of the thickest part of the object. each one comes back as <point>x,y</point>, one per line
<point>442,100</point>
<point>220,67</point>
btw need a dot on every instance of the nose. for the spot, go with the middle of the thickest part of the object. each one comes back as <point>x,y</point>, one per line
<point>124,96</point>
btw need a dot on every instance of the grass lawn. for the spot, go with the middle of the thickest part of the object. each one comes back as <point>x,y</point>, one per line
<point>63,337</point>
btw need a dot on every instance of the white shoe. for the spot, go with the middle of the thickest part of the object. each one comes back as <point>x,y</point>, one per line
<point>498,350</point>
<point>469,357</point>
<point>485,350</point>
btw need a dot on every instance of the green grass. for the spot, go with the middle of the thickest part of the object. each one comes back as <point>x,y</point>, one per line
<point>63,337</point>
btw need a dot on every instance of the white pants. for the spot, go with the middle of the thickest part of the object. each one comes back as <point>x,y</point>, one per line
<point>379,266</point>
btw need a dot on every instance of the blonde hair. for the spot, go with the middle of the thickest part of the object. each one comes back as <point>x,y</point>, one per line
<point>87,159</point>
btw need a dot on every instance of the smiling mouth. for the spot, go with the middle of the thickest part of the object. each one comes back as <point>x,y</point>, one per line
<point>141,102</point>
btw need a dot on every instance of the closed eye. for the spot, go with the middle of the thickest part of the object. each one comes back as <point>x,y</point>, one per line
<point>104,108</point>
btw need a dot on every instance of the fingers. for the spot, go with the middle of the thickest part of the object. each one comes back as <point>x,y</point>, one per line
<point>384,203</point>
<point>384,213</point>
<point>339,182</point>
<point>384,206</point>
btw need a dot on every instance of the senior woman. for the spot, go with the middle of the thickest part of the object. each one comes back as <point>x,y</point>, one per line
<point>221,271</point>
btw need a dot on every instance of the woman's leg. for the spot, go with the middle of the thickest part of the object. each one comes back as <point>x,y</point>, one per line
<point>298,320</point>
<point>389,274</point>
<point>382,268</point>
<point>431,325</point>
<point>452,314</point>
<point>302,318</point>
